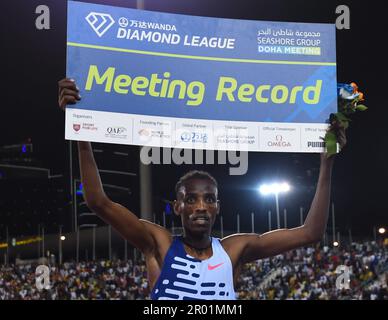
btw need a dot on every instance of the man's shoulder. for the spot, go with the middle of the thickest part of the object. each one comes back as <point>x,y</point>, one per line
<point>238,237</point>
<point>237,241</point>
<point>156,229</point>
<point>235,245</point>
<point>162,237</point>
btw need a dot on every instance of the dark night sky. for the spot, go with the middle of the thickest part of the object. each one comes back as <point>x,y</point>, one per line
<point>33,61</point>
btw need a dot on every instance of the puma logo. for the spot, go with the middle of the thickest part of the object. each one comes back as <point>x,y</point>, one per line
<point>210,267</point>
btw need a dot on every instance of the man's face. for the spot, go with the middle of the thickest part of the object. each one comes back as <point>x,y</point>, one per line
<point>197,204</point>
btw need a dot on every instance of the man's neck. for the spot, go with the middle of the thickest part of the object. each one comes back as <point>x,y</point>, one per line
<point>197,241</point>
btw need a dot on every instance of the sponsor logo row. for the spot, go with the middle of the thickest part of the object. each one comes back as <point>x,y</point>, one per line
<point>282,137</point>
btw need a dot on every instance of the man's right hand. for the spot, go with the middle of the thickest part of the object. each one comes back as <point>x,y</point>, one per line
<point>68,93</point>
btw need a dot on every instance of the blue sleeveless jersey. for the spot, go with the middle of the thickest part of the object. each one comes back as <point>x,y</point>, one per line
<point>184,277</point>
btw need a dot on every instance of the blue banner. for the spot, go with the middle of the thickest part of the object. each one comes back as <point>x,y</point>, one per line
<point>154,64</point>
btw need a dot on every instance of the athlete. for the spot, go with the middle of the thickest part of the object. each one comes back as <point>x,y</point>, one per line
<point>196,265</point>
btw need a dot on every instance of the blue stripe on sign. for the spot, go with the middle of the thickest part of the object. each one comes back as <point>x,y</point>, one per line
<point>208,293</point>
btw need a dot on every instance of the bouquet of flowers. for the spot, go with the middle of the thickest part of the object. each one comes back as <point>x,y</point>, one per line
<point>349,101</point>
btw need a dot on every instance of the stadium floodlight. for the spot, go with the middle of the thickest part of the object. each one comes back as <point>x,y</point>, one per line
<point>275,188</point>
<point>335,243</point>
<point>382,230</point>
<point>63,238</point>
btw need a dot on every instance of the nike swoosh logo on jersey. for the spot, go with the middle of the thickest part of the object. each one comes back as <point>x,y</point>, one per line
<point>210,267</point>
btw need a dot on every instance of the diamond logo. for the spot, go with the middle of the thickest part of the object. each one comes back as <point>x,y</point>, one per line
<point>100,22</point>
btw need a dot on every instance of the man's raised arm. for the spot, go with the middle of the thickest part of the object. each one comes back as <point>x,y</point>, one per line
<point>120,218</point>
<point>251,247</point>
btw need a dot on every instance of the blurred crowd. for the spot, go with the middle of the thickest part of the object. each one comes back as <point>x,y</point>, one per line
<point>359,272</point>
<point>309,273</point>
<point>97,280</point>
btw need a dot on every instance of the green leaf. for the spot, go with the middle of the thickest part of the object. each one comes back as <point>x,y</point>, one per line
<point>341,117</point>
<point>331,143</point>
<point>344,124</point>
<point>361,107</point>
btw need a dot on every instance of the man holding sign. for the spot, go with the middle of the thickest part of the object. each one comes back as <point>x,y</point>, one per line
<point>249,81</point>
<point>196,265</point>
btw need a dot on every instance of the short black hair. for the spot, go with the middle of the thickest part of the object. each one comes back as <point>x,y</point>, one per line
<point>194,174</point>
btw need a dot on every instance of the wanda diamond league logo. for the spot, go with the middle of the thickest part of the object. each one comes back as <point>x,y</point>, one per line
<point>76,127</point>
